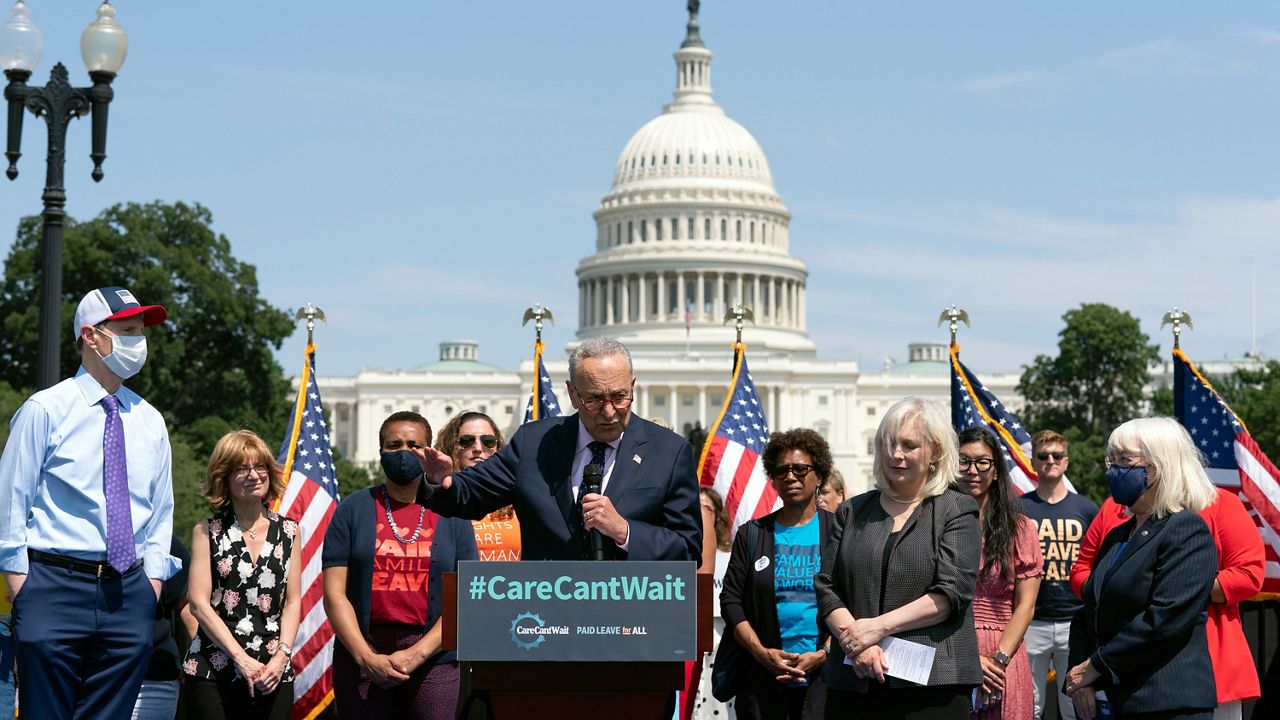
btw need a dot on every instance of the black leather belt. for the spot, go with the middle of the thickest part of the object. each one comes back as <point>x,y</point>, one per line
<point>97,569</point>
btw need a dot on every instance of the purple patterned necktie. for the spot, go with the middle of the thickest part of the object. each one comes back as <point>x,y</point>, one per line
<point>115,487</point>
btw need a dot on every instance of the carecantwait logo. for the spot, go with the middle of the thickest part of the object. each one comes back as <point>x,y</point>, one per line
<point>528,630</point>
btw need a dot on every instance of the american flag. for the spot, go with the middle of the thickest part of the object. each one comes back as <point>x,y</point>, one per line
<point>310,497</point>
<point>973,405</point>
<point>542,401</point>
<point>1233,459</point>
<point>730,460</point>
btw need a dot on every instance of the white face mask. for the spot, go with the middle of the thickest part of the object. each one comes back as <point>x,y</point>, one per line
<point>128,354</point>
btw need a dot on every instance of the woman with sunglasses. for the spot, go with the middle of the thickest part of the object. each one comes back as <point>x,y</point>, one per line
<point>243,588</point>
<point>1008,580</point>
<point>768,600</point>
<point>470,438</point>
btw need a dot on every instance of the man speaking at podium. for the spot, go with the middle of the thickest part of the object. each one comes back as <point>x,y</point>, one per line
<point>647,508</point>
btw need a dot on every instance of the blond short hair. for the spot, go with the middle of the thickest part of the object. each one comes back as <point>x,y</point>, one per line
<point>236,448</point>
<point>1176,464</point>
<point>937,432</point>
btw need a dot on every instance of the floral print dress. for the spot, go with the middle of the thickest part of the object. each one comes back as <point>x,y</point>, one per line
<point>247,596</point>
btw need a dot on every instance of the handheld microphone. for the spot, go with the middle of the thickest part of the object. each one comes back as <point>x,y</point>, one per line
<point>592,479</point>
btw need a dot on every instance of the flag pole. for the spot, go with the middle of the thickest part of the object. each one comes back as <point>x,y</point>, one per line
<point>310,313</point>
<point>537,314</point>
<point>1177,318</point>
<point>955,316</point>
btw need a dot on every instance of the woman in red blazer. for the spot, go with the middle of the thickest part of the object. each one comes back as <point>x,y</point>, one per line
<point>1240,572</point>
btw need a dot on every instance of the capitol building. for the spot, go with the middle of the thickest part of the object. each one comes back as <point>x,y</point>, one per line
<point>692,226</point>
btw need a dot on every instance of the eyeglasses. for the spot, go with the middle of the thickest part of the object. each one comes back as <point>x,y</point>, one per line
<point>782,471</point>
<point>979,464</point>
<point>488,441</point>
<point>243,471</point>
<point>1124,460</point>
<point>1057,456</point>
<point>620,400</point>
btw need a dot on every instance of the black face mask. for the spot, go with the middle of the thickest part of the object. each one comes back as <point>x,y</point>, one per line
<point>401,466</point>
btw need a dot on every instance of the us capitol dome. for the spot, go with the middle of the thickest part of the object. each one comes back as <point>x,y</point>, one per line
<point>691,226</point>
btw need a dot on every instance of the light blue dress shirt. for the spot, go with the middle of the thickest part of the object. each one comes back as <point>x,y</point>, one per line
<point>51,478</point>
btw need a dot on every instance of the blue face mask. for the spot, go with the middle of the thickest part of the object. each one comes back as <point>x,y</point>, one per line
<point>401,466</point>
<point>1127,483</point>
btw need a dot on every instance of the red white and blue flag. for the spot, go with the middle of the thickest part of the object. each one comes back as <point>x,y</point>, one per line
<point>730,460</point>
<point>1231,456</point>
<point>973,405</point>
<point>310,497</point>
<point>542,401</point>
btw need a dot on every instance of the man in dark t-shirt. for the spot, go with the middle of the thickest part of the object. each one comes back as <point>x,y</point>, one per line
<point>1061,517</point>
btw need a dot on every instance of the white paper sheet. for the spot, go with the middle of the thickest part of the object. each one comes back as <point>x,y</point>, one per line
<point>907,660</point>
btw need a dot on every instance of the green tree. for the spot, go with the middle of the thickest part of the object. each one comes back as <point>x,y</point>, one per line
<point>210,367</point>
<point>1094,383</point>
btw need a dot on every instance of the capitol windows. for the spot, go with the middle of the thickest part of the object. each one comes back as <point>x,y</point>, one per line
<point>737,231</point>
<point>657,230</point>
<point>717,400</point>
<point>386,409</point>
<point>664,159</point>
<point>659,400</point>
<point>631,232</point>
<point>753,232</point>
<point>822,399</point>
<point>690,235</point>
<point>724,229</point>
<point>706,229</point>
<point>686,399</point>
<point>510,409</point>
<point>871,411</point>
<point>675,228</point>
<point>644,231</point>
<point>617,236</point>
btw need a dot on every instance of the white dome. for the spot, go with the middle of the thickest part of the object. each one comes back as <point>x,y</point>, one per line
<point>689,142</point>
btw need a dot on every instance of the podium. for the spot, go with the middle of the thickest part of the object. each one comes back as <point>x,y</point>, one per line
<point>579,690</point>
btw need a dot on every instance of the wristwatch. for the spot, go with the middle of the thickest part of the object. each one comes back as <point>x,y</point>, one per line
<point>1001,658</point>
<point>288,651</point>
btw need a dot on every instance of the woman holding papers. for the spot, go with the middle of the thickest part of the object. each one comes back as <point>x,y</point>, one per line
<point>1008,580</point>
<point>1141,633</point>
<point>898,578</point>
<point>768,599</point>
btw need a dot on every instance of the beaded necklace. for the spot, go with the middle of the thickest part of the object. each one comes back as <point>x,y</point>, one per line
<point>422,511</point>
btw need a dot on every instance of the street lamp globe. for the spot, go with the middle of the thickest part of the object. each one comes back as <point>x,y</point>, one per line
<point>104,44</point>
<point>20,40</point>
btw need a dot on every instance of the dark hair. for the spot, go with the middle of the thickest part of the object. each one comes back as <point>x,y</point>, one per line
<point>447,440</point>
<point>721,524</point>
<point>1000,518</point>
<point>806,441</point>
<point>399,417</point>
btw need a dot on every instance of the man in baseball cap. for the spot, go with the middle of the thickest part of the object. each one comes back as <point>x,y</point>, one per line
<point>85,538</point>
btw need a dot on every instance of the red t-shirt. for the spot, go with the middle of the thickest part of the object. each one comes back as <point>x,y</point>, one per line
<point>401,571</point>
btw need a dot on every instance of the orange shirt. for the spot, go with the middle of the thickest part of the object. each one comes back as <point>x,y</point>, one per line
<point>1241,561</point>
<point>498,536</point>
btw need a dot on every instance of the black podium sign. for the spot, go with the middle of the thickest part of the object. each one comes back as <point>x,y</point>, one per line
<point>624,611</point>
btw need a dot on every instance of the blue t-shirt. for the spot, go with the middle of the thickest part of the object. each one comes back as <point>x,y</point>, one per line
<point>796,559</point>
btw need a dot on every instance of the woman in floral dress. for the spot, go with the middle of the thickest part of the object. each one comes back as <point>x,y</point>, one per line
<point>243,589</point>
<point>1008,580</point>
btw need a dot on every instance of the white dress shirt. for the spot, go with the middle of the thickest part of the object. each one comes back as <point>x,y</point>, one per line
<point>582,458</point>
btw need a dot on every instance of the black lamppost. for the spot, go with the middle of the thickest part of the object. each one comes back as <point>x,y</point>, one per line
<point>103,46</point>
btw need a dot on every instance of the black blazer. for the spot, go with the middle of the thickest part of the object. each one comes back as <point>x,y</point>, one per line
<point>937,551</point>
<point>1143,618</point>
<point>652,485</point>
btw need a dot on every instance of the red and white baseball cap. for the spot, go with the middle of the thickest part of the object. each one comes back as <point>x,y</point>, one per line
<point>114,303</point>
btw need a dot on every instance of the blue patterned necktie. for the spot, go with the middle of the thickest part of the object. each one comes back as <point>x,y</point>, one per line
<point>597,449</point>
<point>115,488</point>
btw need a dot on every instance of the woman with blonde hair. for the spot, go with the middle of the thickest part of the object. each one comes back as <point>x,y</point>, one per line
<point>903,562</point>
<point>243,588</point>
<point>1141,634</point>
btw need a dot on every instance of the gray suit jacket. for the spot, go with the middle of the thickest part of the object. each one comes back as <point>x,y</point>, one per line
<point>937,550</point>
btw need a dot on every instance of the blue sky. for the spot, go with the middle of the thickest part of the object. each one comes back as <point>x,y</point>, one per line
<point>426,170</point>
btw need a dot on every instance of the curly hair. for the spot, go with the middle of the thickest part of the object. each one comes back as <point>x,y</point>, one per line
<point>723,540</point>
<point>1000,518</point>
<point>237,448</point>
<point>806,441</point>
<point>447,440</point>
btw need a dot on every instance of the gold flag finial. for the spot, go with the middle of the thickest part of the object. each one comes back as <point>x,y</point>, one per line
<point>310,313</point>
<point>738,315</point>
<point>955,316</point>
<point>537,314</point>
<point>1177,318</point>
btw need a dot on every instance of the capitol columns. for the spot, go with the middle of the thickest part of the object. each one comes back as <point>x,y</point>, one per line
<point>643,314</point>
<point>662,296</point>
<point>625,314</point>
<point>608,300</point>
<point>700,311</point>
<point>680,304</point>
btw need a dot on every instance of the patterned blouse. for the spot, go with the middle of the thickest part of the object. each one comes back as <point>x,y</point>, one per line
<point>246,596</point>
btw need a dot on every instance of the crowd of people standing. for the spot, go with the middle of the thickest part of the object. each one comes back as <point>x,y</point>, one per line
<point>939,593</point>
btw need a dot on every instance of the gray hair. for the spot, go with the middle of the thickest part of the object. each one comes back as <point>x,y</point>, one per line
<point>1178,464</point>
<point>598,347</point>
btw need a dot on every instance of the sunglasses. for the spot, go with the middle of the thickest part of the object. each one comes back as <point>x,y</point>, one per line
<point>782,471</point>
<point>488,441</point>
<point>1042,455</point>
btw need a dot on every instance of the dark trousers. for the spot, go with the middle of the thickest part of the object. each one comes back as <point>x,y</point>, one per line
<point>934,702</point>
<point>83,642</point>
<point>430,693</point>
<point>213,700</point>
